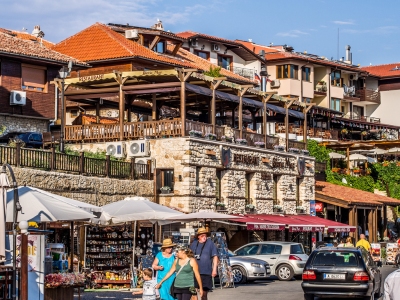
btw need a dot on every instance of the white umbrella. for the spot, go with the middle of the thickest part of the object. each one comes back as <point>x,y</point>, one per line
<point>138,208</point>
<point>335,155</point>
<point>394,150</point>
<point>4,184</point>
<point>357,157</point>
<point>40,206</point>
<point>203,215</point>
<point>377,151</point>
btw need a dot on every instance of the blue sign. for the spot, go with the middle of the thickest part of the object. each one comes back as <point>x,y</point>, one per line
<point>312,208</point>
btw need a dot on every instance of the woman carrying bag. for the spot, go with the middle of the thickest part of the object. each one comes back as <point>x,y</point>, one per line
<point>186,270</point>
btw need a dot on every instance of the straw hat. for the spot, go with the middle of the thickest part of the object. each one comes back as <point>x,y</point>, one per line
<point>202,231</point>
<point>167,243</point>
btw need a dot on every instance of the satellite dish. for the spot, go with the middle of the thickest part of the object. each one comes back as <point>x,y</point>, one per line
<point>134,148</point>
<point>344,181</point>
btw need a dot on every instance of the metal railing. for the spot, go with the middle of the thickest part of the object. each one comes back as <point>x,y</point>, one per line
<point>244,72</point>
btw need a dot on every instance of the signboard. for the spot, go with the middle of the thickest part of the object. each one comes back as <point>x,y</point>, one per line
<point>376,251</point>
<point>341,229</point>
<point>225,156</point>
<point>261,226</point>
<point>246,159</point>
<point>319,206</point>
<point>391,252</point>
<point>312,208</point>
<point>305,228</point>
<point>301,165</point>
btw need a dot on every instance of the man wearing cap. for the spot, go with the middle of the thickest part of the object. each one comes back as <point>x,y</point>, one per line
<point>206,254</point>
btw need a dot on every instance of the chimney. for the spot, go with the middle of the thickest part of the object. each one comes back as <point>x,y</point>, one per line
<point>348,55</point>
<point>37,32</point>
<point>158,25</point>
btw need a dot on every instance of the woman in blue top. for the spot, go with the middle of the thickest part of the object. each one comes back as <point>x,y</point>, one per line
<point>162,264</point>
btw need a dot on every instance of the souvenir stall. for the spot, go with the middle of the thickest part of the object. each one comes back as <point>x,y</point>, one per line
<point>224,267</point>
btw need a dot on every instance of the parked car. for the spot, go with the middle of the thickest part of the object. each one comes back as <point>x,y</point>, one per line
<point>286,259</point>
<point>31,139</point>
<point>341,272</point>
<point>247,269</point>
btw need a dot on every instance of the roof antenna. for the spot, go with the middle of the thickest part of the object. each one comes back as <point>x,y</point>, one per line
<point>338,44</point>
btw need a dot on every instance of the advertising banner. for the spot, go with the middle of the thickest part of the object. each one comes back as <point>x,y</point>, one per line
<point>376,251</point>
<point>391,252</point>
<point>312,208</point>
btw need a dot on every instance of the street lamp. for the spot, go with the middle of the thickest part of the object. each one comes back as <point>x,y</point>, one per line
<point>63,73</point>
<point>17,208</point>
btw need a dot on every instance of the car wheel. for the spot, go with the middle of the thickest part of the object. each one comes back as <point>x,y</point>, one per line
<point>284,272</point>
<point>308,297</point>
<point>239,274</point>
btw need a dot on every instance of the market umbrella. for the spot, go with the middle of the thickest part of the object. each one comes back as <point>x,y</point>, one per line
<point>394,150</point>
<point>377,151</point>
<point>335,155</point>
<point>4,184</point>
<point>203,215</point>
<point>357,157</point>
<point>40,206</point>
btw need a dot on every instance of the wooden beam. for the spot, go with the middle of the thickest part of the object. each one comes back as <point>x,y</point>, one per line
<point>121,112</point>
<point>154,42</point>
<point>154,108</point>
<point>176,48</point>
<point>240,94</point>
<point>287,105</point>
<point>305,110</point>
<point>183,108</point>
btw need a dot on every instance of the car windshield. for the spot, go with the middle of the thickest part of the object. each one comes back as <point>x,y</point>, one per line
<point>335,258</point>
<point>296,249</point>
<point>231,254</point>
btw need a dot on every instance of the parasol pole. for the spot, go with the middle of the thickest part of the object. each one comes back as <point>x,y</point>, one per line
<point>134,277</point>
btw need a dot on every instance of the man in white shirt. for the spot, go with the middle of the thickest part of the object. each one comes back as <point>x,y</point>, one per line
<point>392,286</point>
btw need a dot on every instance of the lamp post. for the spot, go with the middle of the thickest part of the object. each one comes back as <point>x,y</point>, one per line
<point>63,73</point>
<point>17,208</point>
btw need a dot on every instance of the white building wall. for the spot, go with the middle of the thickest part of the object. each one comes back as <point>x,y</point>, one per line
<point>386,111</point>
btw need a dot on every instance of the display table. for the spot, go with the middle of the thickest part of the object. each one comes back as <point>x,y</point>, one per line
<point>59,293</point>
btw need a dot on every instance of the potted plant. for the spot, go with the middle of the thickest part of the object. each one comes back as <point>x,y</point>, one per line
<point>335,170</point>
<point>227,139</point>
<point>241,141</point>
<point>210,136</point>
<point>279,148</point>
<point>385,163</point>
<point>198,190</point>
<point>300,209</point>
<point>259,144</point>
<point>356,170</point>
<point>294,150</point>
<point>220,205</point>
<point>165,190</point>
<point>364,133</point>
<point>321,82</point>
<point>305,152</point>
<point>344,131</point>
<point>195,133</point>
<point>249,208</point>
<point>368,171</point>
<point>277,208</point>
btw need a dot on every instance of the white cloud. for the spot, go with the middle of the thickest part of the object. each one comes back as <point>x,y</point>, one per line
<point>350,22</point>
<point>292,33</point>
<point>378,30</point>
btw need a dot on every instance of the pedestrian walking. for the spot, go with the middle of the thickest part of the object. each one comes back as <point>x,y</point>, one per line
<point>162,264</point>
<point>187,271</point>
<point>392,286</point>
<point>149,286</point>
<point>362,242</point>
<point>206,254</point>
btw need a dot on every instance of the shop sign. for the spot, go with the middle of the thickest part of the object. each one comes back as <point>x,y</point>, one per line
<point>265,227</point>
<point>91,77</point>
<point>59,225</point>
<point>152,73</point>
<point>246,159</point>
<point>286,163</point>
<point>306,228</point>
<point>341,229</point>
<point>225,156</point>
<point>312,208</point>
<point>301,166</point>
<point>319,206</point>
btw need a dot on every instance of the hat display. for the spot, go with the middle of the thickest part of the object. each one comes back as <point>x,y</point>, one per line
<point>202,230</point>
<point>167,243</point>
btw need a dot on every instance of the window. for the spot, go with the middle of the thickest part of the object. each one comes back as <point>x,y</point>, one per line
<point>33,78</point>
<point>203,54</point>
<point>73,113</point>
<point>275,192</point>
<point>306,74</point>
<point>298,192</point>
<point>225,62</point>
<point>358,111</point>
<point>267,249</point>
<point>168,178</point>
<point>336,79</point>
<point>335,104</point>
<point>160,47</point>
<point>344,259</point>
<point>218,185</point>
<point>248,250</point>
<point>247,188</point>
<point>296,249</point>
<point>287,71</point>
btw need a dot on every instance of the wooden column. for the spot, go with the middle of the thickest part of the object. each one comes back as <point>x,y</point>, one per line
<point>352,221</point>
<point>183,107</point>
<point>348,159</point>
<point>370,224</point>
<point>121,112</point>
<point>240,115</point>
<point>385,231</point>
<point>71,266</point>
<point>213,110</point>
<point>356,222</point>
<point>98,112</point>
<point>24,267</point>
<point>305,111</point>
<point>287,105</point>
<point>154,108</point>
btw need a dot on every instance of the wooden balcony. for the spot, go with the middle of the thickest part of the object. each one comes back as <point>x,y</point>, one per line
<point>369,95</point>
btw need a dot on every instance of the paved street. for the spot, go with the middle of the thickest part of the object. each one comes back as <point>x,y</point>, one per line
<point>255,291</point>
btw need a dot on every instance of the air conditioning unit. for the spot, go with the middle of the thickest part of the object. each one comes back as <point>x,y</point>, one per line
<point>18,98</point>
<point>216,47</point>
<point>275,83</point>
<point>138,148</point>
<point>132,34</point>
<point>145,161</point>
<point>116,149</point>
<point>194,43</point>
<point>354,77</point>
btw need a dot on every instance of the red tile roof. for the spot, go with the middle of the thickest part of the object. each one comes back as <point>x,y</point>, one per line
<point>388,70</point>
<point>12,44</point>
<point>256,48</point>
<point>27,36</point>
<point>352,196</point>
<point>191,34</point>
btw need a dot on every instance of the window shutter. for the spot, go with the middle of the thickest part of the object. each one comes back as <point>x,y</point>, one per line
<point>32,77</point>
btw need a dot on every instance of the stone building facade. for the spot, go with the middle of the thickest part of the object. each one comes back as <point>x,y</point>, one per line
<point>204,172</point>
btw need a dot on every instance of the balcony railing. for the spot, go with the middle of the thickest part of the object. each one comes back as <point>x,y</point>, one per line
<point>298,145</point>
<point>354,116</point>
<point>369,95</point>
<point>244,72</point>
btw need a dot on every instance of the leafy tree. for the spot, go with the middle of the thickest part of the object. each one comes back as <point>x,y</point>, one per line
<point>213,72</point>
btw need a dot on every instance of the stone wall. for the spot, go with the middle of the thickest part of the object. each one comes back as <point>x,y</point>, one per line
<point>93,190</point>
<point>23,124</point>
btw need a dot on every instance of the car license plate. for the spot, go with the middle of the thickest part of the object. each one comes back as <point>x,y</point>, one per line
<point>334,276</point>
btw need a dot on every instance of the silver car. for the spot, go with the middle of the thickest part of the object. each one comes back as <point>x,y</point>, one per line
<point>286,259</point>
<point>246,269</point>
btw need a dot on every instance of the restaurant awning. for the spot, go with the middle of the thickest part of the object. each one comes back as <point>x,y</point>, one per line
<point>332,226</point>
<point>258,224</point>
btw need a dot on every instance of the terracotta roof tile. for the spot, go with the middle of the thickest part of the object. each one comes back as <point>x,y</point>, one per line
<point>352,196</point>
<point>256,48</point>
<point>387,70</point>
<point>27,36</point>
<point>189,34</point>
<point>11,44</point>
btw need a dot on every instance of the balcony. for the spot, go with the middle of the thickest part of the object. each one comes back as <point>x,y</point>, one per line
<point>326,134</point>
<point>354,116</point>
<point>244,72</point>
<point>369,96</point>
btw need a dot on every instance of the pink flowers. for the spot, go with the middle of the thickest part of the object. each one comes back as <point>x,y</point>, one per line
<point>63,279</point>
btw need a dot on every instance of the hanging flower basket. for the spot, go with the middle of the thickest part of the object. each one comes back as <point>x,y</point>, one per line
<point>241,141</point>
<point>344,131</point>
<point>259,144</point>
<point>279,148</point>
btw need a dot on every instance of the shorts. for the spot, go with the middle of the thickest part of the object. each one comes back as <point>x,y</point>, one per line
<point>206,281</point>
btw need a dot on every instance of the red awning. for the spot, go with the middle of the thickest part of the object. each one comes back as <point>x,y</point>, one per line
<point>332,226</point>
<point>294,225</point>
<point>254,223</point>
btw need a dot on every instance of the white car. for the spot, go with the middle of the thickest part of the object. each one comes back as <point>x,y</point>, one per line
<point>286,259</point>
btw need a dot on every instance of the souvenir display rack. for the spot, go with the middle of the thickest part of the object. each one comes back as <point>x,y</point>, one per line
<point>224,266</point>
<point>109,255</point>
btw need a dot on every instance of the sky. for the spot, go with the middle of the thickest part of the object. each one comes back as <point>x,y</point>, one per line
<point>319,27</point>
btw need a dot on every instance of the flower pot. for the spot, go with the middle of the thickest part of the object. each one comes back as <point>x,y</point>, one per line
<point>165,191</point>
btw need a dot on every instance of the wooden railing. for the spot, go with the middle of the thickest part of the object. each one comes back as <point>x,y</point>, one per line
<point>271,142</point>
<point>252,138</point>
<point>369,95</point>
<point>298,145</point>
<point>219,131</point>
<point>76,164</point>
<point>198,126</point>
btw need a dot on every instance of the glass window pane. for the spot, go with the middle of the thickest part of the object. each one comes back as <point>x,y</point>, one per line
<point>285,71</point>
<point>248,250</point>
<point>279,72</point>
<point>278,249</point>
<point>267,249</point>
